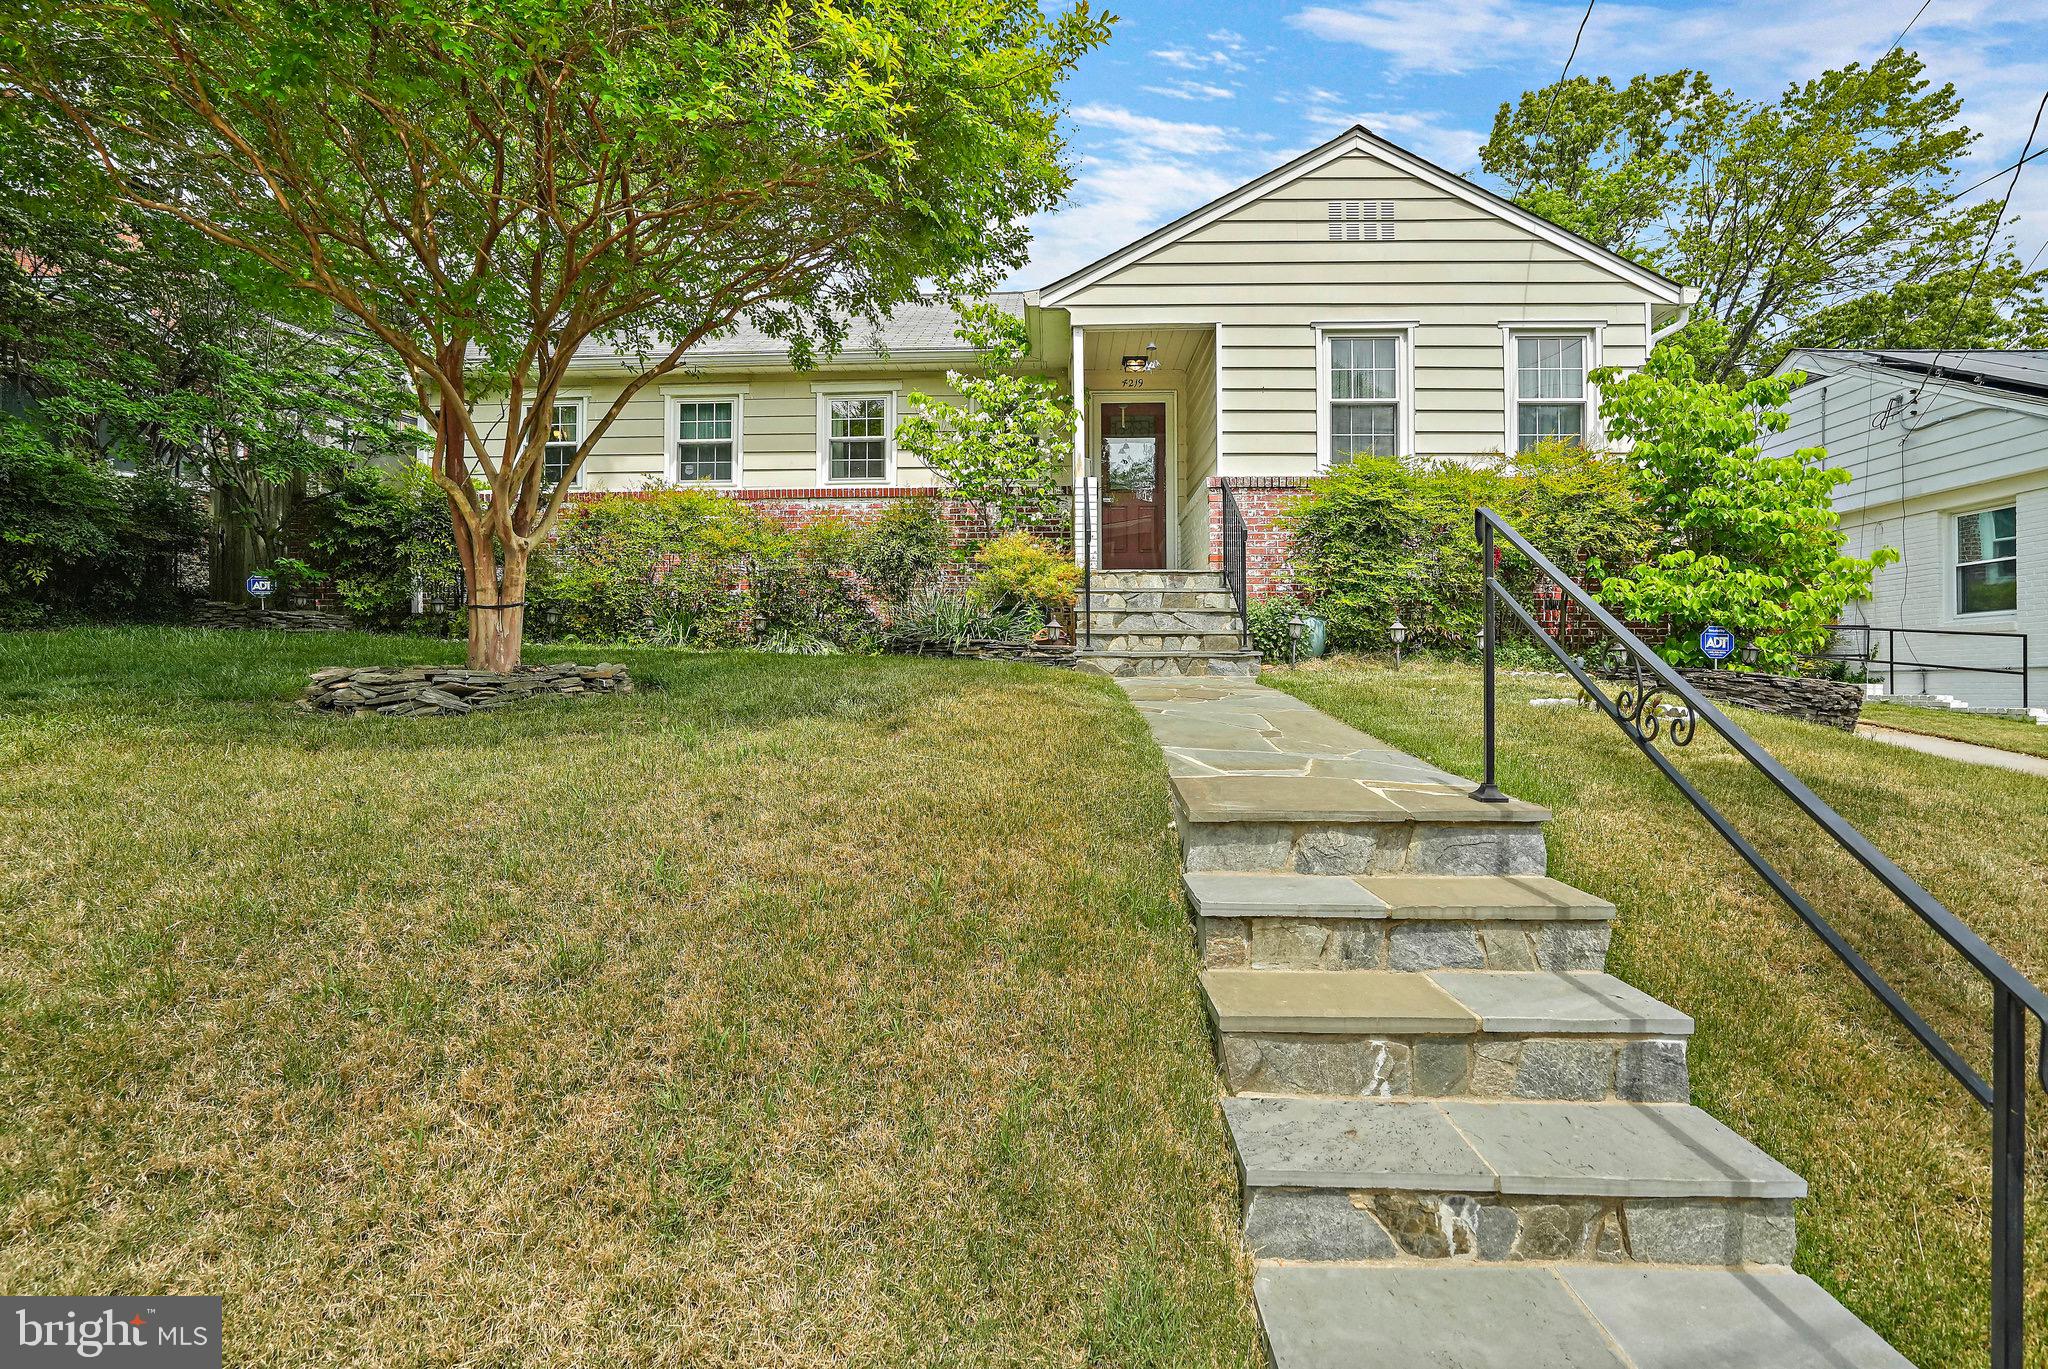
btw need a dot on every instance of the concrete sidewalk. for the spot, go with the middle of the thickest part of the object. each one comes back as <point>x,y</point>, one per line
<point>1951,749</point>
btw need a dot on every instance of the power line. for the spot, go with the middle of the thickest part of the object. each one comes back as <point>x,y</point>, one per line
<point>1908,28</point>
<point>1983,255</point>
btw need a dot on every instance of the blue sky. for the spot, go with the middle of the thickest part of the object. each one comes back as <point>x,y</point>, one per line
<point>1191,97</point>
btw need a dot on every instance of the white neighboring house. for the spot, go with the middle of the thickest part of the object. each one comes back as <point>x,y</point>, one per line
<point>1949,454</point>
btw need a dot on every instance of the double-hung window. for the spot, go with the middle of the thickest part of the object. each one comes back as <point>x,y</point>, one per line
<point>1987,561</point>
<point>1363,384</point>
<point>856,433</point>
<point>706,440</point>
<point>565,434</point>
<point>1549,388</point>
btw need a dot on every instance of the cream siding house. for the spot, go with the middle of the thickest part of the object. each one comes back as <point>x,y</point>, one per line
<point>1357,299</point>
<point>1950,468</point>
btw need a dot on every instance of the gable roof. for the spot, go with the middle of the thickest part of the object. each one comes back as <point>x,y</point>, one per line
<point>1358,138</point>
<point>918,328</point>
<point>2013,372</point>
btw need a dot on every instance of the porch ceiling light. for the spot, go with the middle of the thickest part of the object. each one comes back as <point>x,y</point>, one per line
<point>1139,363</point>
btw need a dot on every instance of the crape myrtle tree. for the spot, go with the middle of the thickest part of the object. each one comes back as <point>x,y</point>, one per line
<point>488,185</point>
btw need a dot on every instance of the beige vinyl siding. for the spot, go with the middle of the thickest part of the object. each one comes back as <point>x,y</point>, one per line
<point>1198,454</point>
<point>1268,273</point>
<point>778,423</point>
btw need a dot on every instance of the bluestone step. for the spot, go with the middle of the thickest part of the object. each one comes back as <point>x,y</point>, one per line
<point>1391,1179</point>
<point>1448,1033</point>
<point>1398,922</point>
<point>1558,1317</point>
<point>1187,665</point>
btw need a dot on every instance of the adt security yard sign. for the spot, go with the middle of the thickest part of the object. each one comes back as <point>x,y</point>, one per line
<point>260,586</point>
<point>1717,643</point>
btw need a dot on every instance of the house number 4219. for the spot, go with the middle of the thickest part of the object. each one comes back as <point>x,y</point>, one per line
<point>1132,382</point>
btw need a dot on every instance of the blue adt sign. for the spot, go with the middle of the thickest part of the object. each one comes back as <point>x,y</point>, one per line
<point>1717,642</point>
<point>260,586</point>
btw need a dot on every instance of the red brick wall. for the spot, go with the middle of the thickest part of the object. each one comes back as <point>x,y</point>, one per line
<point>802,506</point>
<point>1268,555</point>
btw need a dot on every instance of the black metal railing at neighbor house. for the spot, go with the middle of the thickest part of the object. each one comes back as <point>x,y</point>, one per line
<point>1868,653</point>
<point>1639,707</point>
<point>1237,538</point>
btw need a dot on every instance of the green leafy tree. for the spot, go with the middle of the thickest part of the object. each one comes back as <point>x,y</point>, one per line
<point>132,340</point>
<point>485,186</point>
<point>1752,541</point>
<point>1824,217</point>
<point>1003,445</point>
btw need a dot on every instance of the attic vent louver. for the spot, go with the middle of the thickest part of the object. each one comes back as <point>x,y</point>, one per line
<point>1361,221</point>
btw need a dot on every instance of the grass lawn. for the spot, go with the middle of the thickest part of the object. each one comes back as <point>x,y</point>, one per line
<point>791,1011</point>
<point>1791,1050</point>
<point>2008,734</point>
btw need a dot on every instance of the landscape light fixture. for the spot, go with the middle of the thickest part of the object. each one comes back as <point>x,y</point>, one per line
<point>1397,632</point>
<point>1750,653</point>
<point>1295,627</point>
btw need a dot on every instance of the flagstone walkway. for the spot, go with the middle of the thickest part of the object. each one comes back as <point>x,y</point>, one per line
<point>1461,1143</point>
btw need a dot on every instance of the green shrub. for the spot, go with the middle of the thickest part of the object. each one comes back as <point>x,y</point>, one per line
<point>78,541</point>
<point>376,535</point>
<point>934,619</point>
<point>1019,571</point>
<point>664,569</point>
<point>1380,537</point>
<point>1267,620</point>
<point>905,549</point>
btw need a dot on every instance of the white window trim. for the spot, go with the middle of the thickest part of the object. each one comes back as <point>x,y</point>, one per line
<point>825,395</point>
<point>675,395</point>
<point>582,402</point>
<point>1403,333</point>
<point>1512,329</point>
<point>1952,521</point>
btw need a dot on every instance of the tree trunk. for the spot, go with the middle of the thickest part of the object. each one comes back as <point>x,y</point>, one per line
<point>497,610</point>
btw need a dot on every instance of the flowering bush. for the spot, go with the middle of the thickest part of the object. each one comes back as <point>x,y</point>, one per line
<point>1019,571</point>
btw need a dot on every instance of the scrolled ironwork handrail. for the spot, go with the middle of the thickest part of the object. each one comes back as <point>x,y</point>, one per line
<point>1648,680</point>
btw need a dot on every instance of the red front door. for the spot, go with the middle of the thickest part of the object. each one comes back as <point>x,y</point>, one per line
<point>1134,486</point>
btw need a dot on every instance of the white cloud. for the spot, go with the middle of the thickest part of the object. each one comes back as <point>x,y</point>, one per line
<point>1116,202</point>
<point>1191,90</point>
<point>1450,37</point>
<point>1144,132</point>
<point>1427,133</point>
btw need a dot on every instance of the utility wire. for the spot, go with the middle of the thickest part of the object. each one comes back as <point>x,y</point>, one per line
<point>1984,254</point>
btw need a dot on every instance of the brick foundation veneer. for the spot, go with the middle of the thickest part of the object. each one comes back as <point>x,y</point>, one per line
<point>1268,558</point>
<point>801,506</point>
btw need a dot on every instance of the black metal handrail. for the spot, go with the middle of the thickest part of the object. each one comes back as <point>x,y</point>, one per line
<point>1084,506</point>
<point>1237,538</point>
<point>1639,710</point>
<point>1892,663</point>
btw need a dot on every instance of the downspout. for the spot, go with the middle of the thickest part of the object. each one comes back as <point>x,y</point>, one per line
<point>1686,300</point>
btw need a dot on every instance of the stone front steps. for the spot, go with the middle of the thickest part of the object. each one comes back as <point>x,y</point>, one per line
<point>1462,1144</point>
<point>1241,665</point>
<point>1369,1179</point>
<point>1182,624</point>
<point>1451,1033</point>
<point>1562,1316</point>
<point>1396,922</point>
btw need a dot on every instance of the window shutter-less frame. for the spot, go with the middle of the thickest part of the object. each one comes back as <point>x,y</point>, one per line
<point>1361,220</point>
